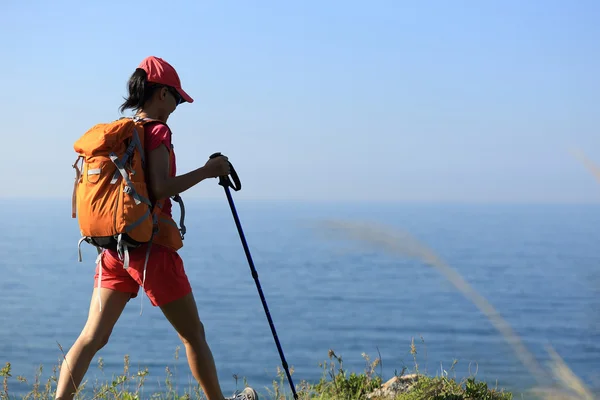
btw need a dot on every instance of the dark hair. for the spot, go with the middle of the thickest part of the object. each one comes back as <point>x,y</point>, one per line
<point>139,91</point>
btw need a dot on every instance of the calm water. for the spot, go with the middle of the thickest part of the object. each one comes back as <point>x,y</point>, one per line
<point>538,265</point>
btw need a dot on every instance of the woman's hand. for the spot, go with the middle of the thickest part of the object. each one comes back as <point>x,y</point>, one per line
<point>218,166</point>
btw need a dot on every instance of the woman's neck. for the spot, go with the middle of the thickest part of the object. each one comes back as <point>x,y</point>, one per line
<point>151,115</point>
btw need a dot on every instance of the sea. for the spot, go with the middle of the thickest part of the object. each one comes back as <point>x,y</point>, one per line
<point>538,266</point>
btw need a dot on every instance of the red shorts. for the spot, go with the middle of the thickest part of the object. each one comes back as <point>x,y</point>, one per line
<point>166,279</point>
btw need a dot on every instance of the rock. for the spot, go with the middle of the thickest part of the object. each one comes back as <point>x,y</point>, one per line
<point>394,386</point>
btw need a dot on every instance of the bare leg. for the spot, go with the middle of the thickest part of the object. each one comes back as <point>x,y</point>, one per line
<point>93,337</point>
<point>183,315</point>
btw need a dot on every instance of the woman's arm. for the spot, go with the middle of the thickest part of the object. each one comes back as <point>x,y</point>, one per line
<point>162,185</point>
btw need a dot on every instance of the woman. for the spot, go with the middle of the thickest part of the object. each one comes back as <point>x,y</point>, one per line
<point>154,93</point>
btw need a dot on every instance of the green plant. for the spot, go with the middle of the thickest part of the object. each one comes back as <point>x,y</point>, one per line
<point>336,383</point>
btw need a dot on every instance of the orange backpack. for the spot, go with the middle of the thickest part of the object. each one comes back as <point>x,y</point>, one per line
<point>110,193</point>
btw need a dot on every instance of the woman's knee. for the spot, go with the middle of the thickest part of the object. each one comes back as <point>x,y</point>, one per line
<point>94,341</point>
<point>194,337</point>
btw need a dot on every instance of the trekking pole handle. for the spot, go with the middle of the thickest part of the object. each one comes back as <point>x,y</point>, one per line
<point>224,180</point>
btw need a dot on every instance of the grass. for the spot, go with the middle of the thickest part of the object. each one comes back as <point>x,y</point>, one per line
<point>336,383</point>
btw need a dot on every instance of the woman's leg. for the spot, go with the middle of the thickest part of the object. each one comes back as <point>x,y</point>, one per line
<point>93,337</point>
<point>183,315</point>
<point>168,287</point>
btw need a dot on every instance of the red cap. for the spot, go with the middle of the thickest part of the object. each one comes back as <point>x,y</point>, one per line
<point>160,71</point>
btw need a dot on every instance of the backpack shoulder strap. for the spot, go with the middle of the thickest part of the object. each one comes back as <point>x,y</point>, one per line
<point>177,198</point>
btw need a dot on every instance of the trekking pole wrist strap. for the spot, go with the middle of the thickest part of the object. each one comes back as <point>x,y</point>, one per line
<point>225,181</point>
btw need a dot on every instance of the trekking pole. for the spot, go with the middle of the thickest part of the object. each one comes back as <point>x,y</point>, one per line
<point>226,183</point>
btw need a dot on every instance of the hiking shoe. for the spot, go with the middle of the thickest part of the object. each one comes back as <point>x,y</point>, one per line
<point>246,394</point>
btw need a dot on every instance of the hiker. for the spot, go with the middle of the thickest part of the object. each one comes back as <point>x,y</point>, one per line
<point>154,94</point>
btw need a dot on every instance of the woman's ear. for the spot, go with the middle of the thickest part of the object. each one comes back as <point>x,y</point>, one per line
<point>163,93</point>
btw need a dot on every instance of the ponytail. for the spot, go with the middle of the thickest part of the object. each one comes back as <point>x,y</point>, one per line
<point>139,91</point>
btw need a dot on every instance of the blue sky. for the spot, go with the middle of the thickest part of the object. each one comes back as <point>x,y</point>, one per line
<point>383,101</point>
